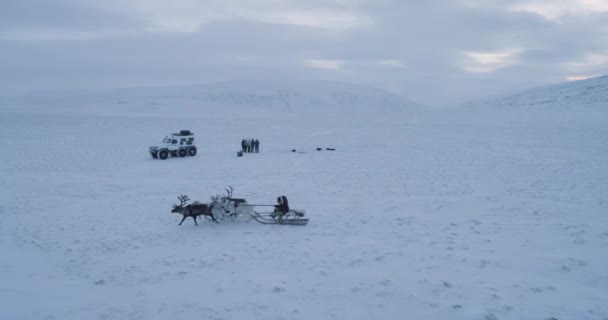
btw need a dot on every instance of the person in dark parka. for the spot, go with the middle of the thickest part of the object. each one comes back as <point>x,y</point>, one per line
<point>281,208</point>
<point>285,207</point>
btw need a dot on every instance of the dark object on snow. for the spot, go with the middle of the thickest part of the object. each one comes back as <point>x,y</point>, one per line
<point>330,149</point>
<point>193,210</point>
<point>239,153</point>
<point>185,132</point>
<point>293,150</point>
<point>319,149</point>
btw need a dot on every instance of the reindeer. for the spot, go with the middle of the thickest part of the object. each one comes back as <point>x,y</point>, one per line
<point>193,210</point>
<point>226,200</point>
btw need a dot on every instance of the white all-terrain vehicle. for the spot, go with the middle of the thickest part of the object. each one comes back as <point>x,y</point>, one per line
<point>178,144</point>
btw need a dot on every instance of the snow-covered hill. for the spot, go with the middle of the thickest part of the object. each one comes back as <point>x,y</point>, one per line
<point>583,94</point>
<point>458,214</point>
<point>309,97</point>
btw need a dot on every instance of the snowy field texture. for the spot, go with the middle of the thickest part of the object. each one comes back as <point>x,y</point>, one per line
<point>474,213</point>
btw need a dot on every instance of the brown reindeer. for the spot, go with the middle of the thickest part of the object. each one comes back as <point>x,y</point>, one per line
<point>193,210</point>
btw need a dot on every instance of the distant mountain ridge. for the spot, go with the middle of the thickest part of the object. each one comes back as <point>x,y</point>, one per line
<point>589,93</point>
<point>245,96</point>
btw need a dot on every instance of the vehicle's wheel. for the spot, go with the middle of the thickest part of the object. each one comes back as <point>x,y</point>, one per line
<point>182,152</point>
<point>163,154</point>
<point>192,151</point>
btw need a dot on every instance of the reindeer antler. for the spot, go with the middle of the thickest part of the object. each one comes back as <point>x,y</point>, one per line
<point>229,191</point>
<point>183,199</point>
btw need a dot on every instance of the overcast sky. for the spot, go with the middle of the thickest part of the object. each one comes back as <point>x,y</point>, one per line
<point>433,51</point>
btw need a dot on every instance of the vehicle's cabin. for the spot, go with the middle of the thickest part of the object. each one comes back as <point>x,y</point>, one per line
<point>184,138</point>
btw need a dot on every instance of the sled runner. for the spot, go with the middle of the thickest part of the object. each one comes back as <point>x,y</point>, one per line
<point>282,214</point>
<point>292,217</point>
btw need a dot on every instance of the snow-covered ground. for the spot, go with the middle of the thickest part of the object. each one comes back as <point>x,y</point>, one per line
<point>462,214</point>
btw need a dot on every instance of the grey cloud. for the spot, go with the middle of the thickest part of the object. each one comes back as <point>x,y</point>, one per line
<point>428,37</point>
<point>16,15</point>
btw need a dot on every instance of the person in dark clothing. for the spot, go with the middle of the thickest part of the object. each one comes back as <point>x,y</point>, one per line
<point>276,207</point>
<point>243,145</point>
<point>256,144</point>
<point>285,207</point>
<point>281,208</point>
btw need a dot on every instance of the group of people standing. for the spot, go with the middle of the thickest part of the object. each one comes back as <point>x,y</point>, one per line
<point>250,146</point>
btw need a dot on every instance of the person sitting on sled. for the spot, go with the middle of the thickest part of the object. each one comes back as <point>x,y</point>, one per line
<point>281,208</point>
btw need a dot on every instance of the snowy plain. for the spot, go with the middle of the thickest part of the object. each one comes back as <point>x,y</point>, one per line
<point>470,213</point>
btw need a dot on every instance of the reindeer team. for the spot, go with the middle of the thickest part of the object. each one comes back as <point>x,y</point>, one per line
<point>197,209</point>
